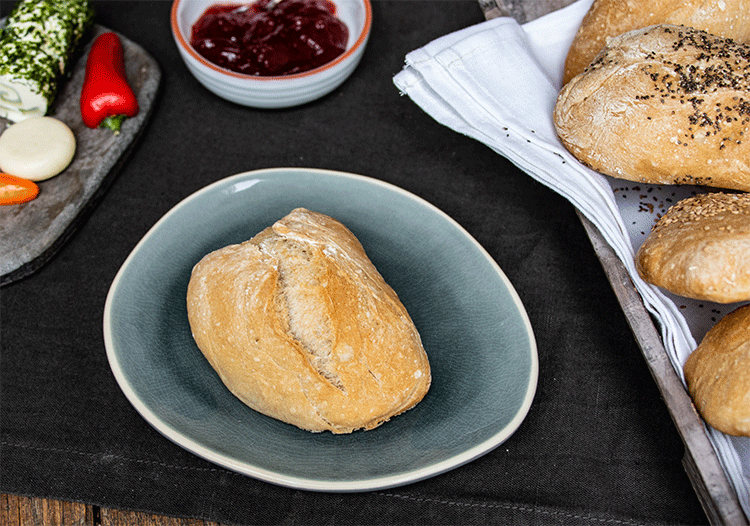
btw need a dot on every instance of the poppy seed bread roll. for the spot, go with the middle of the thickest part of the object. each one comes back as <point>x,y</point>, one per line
<point>662,105</point>
<point>609,18</point>
<point>717,374</point>
<point>300,326</point>
<point>701,248</point>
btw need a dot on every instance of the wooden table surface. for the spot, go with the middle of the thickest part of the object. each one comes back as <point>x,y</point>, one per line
<point>29,511</point>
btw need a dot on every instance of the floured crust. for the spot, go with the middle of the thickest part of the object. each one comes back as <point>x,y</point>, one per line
<point>717,374</point>
<point>609,18</point>
<point>300,326</point>
<point>662,105</point>
<point>701,248</point>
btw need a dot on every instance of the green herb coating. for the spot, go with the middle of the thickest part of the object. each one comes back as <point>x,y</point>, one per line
<point>36,47</point>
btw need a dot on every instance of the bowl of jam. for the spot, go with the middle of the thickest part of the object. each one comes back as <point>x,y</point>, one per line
<point>271,53</point>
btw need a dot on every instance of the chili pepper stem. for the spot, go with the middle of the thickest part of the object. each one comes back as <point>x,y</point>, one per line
<point>113,122</point>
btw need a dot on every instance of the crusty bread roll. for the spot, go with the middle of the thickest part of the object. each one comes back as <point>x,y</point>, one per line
<point>301,327</point>
<point>717,374</point>
<point>609,18</point>
<point>664,105</point>
<point>701,248</point>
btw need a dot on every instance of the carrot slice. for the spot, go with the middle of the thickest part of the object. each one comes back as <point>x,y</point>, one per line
<point>16,190</point>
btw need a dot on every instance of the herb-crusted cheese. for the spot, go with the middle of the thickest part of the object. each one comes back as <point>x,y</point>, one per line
<point>36,47</point>
<point>28,80</point>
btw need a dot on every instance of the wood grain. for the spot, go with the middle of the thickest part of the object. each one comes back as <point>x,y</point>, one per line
<point>27,511</point>
<point>522,10</point>
<point>31,511</point>
<point>133,518</point>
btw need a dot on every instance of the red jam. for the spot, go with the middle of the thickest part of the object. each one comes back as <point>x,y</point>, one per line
<point>296,36</point>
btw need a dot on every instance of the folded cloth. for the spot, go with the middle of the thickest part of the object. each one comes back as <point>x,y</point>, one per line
<point>497,82</point>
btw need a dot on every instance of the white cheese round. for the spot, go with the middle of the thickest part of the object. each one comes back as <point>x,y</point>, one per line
<point>37,148</point>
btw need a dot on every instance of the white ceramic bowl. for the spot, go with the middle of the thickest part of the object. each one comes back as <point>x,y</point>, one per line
<point>273,92</point>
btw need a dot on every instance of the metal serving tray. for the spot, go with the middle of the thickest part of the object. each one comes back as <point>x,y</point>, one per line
<point>714,490</point>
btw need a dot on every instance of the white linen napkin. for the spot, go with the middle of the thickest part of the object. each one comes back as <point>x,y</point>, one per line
<point>497,82</point>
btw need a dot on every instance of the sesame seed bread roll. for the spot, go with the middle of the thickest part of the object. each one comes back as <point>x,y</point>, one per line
<point>662,105</point>
<point>717,374</point>
<point>701,249</point>
<point>300,326</point>
<point>609,18</point>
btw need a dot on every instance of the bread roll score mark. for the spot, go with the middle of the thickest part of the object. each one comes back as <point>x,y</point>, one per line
<point>302,306</point>
<point>676,99</point>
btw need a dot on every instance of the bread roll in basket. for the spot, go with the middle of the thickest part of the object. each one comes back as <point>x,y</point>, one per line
<point>606,19</point>
<point>663,105</point>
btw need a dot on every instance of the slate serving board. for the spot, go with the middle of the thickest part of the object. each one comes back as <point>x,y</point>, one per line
<point>32,233</point>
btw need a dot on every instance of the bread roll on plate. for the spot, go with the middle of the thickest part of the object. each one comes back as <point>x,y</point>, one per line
<point>609,18</point>
<point>701,248</point>
<point>717,374</point>
<point>664,105</point>
<point>300,326</point>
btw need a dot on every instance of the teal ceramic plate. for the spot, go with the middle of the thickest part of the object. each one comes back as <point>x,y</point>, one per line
<point>473,326</point>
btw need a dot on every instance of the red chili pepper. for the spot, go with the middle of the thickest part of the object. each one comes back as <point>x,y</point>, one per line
<point>106,97</point>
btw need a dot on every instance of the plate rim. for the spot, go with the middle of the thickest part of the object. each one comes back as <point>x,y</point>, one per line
<point>304,483</point>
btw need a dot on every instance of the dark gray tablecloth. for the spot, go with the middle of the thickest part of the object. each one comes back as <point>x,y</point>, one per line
<point>598,445</point>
